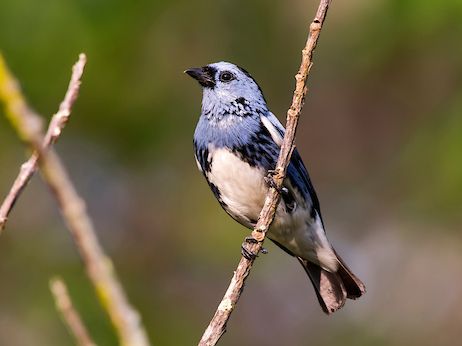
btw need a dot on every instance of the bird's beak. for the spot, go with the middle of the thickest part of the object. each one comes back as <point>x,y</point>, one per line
<point>202,75</point>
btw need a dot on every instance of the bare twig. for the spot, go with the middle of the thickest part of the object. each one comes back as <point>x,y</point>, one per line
<point>16,104</point>
<point>70,316</point>
<point>217,325</point>
<point>98,266</point>
<point>30,124</point>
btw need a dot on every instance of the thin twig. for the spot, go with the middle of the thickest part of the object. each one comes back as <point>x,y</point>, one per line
<point>30,124</point>
<point>217,325</point>
<point>16,104</point>
<point>99,267</point>
<point>67,311</point>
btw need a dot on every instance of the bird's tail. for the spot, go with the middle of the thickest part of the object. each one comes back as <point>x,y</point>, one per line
<point>333,288</point>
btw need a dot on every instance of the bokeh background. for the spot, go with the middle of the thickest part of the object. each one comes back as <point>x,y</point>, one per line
<point>381,133</point>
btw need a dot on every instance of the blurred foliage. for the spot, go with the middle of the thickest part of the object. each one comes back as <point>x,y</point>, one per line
<point>380,134</point>
<point>438,168</point>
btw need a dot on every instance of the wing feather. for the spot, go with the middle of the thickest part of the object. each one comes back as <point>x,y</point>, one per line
<point>296,172</point>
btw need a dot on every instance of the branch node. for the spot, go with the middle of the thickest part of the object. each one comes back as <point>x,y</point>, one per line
<point>259,233</point>
<point>315,26</point>
<point>226,305</point>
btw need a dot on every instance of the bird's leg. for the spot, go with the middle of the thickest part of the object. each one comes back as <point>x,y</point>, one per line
<point>269,180</point>
<point>249,255</point>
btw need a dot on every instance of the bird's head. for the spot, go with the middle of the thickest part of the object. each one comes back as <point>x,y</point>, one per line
<point>225,85</point>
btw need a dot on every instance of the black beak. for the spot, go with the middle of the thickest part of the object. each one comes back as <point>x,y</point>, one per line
<point>205,76</point>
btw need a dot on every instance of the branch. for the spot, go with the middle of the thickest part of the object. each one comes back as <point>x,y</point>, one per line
<point>70,316</point>
<point>99,267</point>
<point>26,125</point>
<point>217,325</point>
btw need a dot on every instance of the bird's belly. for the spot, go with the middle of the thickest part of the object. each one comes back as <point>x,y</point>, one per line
<point>242,188</point>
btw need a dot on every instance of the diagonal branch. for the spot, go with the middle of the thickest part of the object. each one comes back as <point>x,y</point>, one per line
<point>217,325</point>
<point>124,317</point>
<point>29,131</point>
<point>70,316</point>
<point>98,265</point>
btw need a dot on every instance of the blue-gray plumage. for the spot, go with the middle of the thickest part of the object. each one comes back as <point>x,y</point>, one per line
<point>236,143</point>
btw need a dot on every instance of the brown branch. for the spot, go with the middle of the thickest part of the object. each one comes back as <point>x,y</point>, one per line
<point>217,325</point>
<point>68,313</point>
<point>16,104</point>
<point>99,267</point>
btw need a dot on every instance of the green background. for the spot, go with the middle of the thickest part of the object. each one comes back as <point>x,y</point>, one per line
<point>381,133</point>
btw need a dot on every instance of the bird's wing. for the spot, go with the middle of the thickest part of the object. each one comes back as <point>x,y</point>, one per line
<point>296,171</point>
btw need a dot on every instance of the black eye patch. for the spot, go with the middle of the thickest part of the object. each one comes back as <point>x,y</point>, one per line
<point>226,76</point>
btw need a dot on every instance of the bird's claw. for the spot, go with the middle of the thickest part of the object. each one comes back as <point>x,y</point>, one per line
<point>269,179</point>
<point>250,240</point>
<point>250,255</point>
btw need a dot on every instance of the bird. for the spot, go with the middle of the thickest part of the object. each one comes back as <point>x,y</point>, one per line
<point>236,145</point>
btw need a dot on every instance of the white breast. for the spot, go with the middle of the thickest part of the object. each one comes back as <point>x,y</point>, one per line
<point>242,187</point>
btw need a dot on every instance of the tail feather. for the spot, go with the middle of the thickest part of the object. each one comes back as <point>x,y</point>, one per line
<point>355,288</point>
<point>333,289</point>
<point>328,286</point>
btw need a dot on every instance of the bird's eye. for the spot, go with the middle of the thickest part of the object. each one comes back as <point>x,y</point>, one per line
<point>226,76</point>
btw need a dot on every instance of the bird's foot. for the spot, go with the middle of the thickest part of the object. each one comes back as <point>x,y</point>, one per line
<point>269,180</point>
<point>248,254</point>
